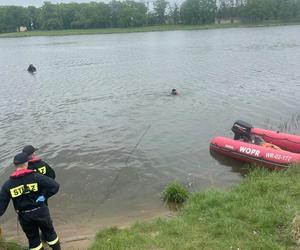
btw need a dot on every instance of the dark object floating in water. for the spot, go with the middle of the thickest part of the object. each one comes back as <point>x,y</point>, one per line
<point>31,68</point>
<point>174,92</point>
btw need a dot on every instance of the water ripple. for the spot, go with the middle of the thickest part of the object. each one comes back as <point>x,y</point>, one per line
<point>93,97</point>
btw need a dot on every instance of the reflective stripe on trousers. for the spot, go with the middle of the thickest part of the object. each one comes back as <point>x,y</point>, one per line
<point>40,246</point>
<point>53,242</point>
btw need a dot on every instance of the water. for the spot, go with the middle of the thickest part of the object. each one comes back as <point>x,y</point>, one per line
<point>100,111</point>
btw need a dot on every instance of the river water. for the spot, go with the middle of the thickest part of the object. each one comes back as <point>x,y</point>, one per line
<point>100,112</point>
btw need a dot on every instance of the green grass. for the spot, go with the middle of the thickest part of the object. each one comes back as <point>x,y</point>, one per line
<point>176,193</point>
<point>256,214</point>
<point>6,245</point>
<point>138,29</point>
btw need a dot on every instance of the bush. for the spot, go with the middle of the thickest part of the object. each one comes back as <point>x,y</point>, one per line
<point>176,193</point>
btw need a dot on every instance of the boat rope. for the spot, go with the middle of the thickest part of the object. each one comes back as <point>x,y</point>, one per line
<point>137,144</point>
<point>108,192</point>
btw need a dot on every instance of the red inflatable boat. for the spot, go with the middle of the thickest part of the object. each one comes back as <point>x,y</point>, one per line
<point>267,148</point>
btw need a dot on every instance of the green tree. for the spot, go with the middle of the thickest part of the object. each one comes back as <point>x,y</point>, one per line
<point>284,10</point>
<point>297,11</point>
<point>128,14</point>
<point>287,10</point>
<point>93,15</point>
<point>208,10</point>
<point>49,17</point>
<point>189,12</point>
<point>132,14</point>
<point>160,10</point>
<point>12,17</point>
<point>151,18</point>
<point>174,14</point>
<point>198,11</point>
<point>115,7</point>
<point>229,9</point>
<point>68,14</point>
<point>33,14</point>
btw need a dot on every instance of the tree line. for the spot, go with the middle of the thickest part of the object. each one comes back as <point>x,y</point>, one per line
<point>122,14</point>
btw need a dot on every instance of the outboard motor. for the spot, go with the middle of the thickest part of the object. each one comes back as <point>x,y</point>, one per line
<point>242,130</point>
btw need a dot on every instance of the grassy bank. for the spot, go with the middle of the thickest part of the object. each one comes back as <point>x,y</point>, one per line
<point>138,29</point>
<point>257,214</point>
<point>6,245</point>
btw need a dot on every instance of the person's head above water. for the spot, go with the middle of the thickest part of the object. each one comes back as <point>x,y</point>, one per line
<point>174,92</point>
<point>31,68</point>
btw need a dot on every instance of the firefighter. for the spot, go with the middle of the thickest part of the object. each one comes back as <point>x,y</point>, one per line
<point>36,164</point>
<point>28,191</point>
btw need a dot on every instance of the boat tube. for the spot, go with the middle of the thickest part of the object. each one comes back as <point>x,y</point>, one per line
<point>263,147</point>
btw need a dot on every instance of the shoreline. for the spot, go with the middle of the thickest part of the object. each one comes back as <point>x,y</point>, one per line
<point>203,221</point>
<point>161,28</point>
<point>80,236</point>
<point>259,213</point>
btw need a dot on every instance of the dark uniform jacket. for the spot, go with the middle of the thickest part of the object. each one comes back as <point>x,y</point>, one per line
<point>41,167</point>
<point>24,187</point>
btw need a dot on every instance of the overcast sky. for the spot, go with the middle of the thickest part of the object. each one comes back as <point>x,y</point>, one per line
<point>39,3</point>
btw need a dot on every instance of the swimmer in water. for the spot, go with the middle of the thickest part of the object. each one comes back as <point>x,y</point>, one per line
<point>174,92</point>
<point>31,69</point>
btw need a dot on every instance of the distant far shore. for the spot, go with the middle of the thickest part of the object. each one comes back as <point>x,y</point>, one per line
<point>68,32</point>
